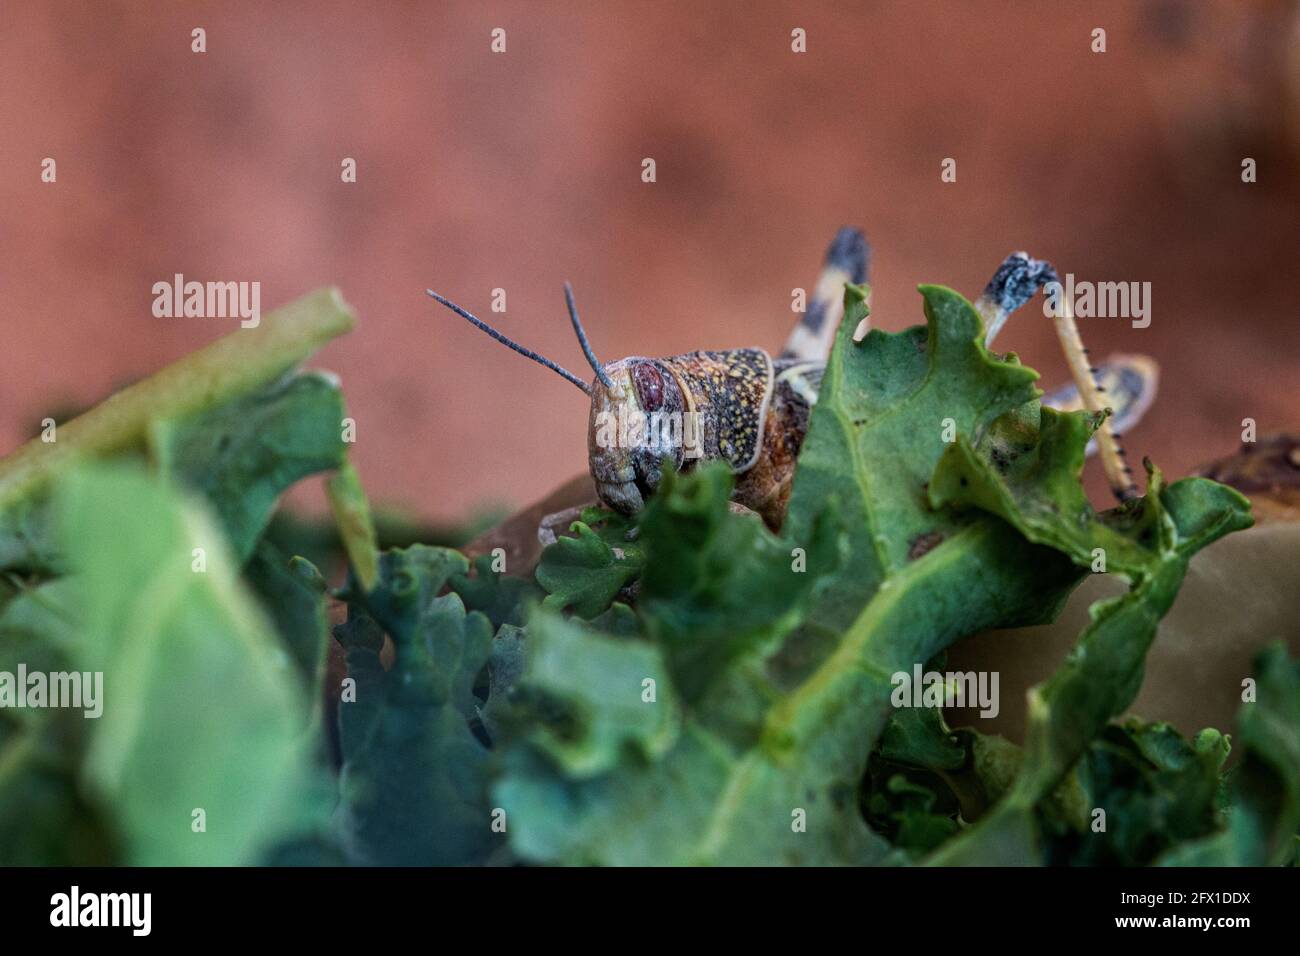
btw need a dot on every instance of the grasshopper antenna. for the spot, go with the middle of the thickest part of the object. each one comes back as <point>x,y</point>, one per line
<point>582,339</point>
<point>525,352</point>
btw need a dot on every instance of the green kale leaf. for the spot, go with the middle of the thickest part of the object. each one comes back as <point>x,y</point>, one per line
<point>1263,815</point>
<point>202,752</point>
<point>414,776</point>
<point>587,572</point>
<point>242,454</point>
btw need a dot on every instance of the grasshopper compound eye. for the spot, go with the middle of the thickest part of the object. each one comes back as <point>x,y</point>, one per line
<point>649,386</point>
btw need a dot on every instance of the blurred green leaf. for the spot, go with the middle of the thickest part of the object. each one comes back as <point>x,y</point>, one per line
<point>296,606</point>
<point>356,527</point>
<point>502,597</point>
<point>243,454</point>
<point>235,365</point>
<point>44,818</point>
<point>203,710</point>
<point>1264,790</point>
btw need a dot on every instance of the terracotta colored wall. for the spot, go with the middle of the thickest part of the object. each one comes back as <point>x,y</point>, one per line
<point>522,170</point>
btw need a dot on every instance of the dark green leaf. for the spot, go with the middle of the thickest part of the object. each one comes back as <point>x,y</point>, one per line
<point>414,778</point>
<point>243,454</point>
<point>585,573</point>
<point>203,710</point>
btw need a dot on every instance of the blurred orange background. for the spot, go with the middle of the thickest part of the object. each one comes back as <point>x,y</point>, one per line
<point>520,170</point>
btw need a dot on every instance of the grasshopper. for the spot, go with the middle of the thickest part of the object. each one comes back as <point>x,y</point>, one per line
<point>751,410</point>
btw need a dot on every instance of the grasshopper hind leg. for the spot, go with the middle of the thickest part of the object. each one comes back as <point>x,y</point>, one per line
<point>1126,384</point>
<point>1014,284</point>
<point>846,261</point>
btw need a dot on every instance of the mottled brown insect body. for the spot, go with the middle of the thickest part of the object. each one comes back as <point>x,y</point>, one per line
<point>738,406</point>
<point>765,487</point>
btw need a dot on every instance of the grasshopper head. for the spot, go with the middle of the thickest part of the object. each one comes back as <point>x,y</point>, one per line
<point>638,414</point>
<point>637,423</point>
